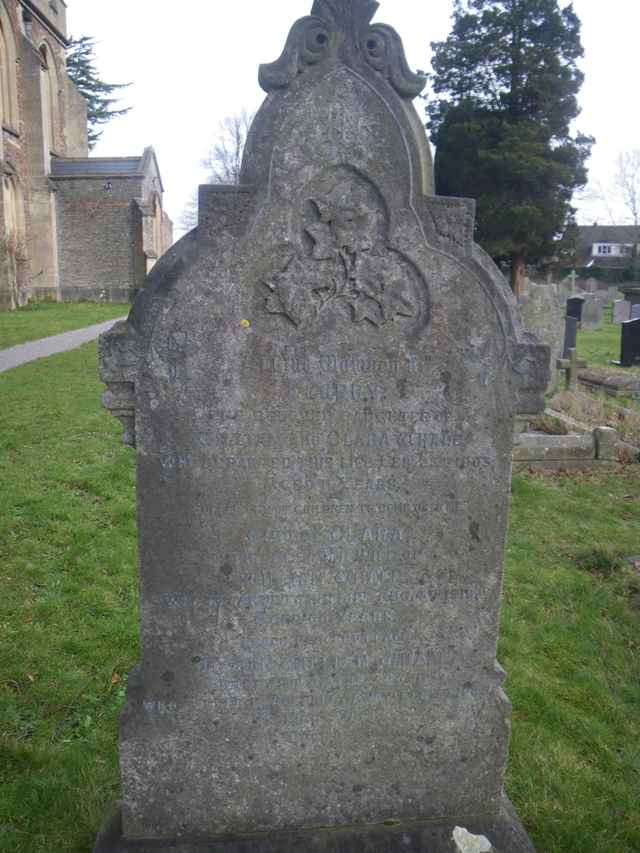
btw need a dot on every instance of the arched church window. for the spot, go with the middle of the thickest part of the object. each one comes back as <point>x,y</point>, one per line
<point>12,212</point>
<point>49,92</point>
<point>13,238</point>
<point>8,81</point>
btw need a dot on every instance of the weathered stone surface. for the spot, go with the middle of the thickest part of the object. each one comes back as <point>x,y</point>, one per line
<point>614,384</point>
<point>607,441</point>
<point>631,292</point>
<point>542,307</point>
<point>592,313</point>
<point>505,832</point>
<point>324,377</point>
<point>621,311</point>
<point>565,448</point>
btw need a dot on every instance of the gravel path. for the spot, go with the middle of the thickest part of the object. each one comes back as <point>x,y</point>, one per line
<point>23,353</point>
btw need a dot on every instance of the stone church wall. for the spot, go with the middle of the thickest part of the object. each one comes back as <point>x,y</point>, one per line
<point>98,235</point>
<point>65,238</point>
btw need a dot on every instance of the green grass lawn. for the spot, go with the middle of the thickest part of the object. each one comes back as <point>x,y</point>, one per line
<point>68,619</point>
<point>602,346</point>
<point>43,319</point>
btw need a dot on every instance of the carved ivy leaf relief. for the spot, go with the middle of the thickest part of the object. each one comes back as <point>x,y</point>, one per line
<point>347,264</point>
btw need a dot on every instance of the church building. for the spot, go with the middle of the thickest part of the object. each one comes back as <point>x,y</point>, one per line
<point>71,226</point>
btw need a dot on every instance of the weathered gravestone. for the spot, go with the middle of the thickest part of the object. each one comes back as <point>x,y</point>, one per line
<point>612,292</point>
<point>621,311</point>
<point>590,285</point>
<point>542,311</point>
<point>631,292</point>
<point>592,313</point>
<point>321,380</point>
<point>630,344</point>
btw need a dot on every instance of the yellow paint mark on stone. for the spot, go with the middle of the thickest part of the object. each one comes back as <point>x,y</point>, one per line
<point>245,324</point>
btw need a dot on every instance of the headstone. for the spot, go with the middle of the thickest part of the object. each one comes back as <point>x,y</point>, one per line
<point>612,292</point>
<point>631,292</point>
<point>542,309</point>
<point>324,469</point>
<point>592,313</point>
<point>590,285</point>
<point>635,312</point>
<point>570,335</point>
<point>574,307</point>
<point>621,311</point>
<point>630,344</point>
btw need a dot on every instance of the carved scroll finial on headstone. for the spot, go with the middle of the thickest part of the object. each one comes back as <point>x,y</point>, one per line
<point>346,13</point>
<point>342,29</point>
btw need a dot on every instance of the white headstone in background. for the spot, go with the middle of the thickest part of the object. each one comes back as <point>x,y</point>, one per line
<point>621,311</point>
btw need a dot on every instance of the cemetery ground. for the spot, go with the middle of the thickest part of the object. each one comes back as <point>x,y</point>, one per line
<point>599,348</point>
<point>43,319</point>
<point>570,640</point>
<point>602,346</point>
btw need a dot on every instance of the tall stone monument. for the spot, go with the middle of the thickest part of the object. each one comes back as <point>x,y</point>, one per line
<point>321,381</point>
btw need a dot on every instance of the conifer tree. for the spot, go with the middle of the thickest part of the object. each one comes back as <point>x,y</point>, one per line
<point>506,83</point>
<point>99,95</point>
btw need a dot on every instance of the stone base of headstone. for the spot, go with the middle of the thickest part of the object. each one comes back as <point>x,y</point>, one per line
<point>506,833</point>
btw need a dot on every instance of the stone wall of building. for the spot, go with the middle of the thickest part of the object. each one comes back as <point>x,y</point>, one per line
<point>98,233</point>
<point>53,11</point>
<point>34,41</point>
<point>87,234</point>
<point>75,126</point>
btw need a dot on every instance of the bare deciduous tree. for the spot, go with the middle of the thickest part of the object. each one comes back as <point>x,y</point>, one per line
<point>188,219</point>
<point>619,201</point>
<point>223,162</point>
<point>627,182</point>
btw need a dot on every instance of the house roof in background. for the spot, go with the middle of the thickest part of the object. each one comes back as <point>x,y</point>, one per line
<point>590,234</point>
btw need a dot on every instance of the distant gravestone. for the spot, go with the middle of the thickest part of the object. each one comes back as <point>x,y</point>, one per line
<point>621,311</point>
<point>630,344</point>
<point>542,310</point>
<point>324,470</point>
<point>631,292</point>
<point>592,313</point>
<point>570,336</point>
<point>574,307</point>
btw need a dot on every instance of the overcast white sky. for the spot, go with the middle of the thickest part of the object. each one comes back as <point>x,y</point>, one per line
<point>195,61</point>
